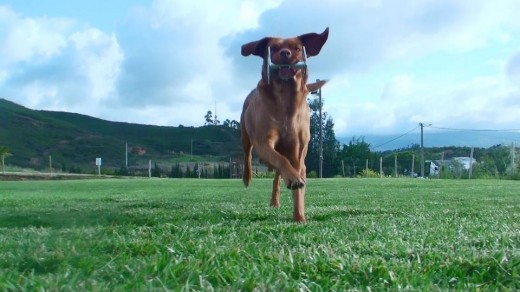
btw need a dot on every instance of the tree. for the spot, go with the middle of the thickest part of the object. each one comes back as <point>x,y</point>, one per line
<point>500,156</point>
<point>354,156</point>
<point>330,144</point>
<point>156,171</point>
<point>176,171</point>
<point>330,149</point>
<point>232,124</point>
<point>216,121</point>
<point>209,118</point>
<point>188,172</point>
<point>235,125</point>
<point>213,121</point>
<point>4,153</point>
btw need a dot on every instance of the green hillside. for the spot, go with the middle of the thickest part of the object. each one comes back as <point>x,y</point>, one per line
<point>75,140</point>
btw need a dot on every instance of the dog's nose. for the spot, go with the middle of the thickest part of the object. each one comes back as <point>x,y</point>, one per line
<point>285,53</point>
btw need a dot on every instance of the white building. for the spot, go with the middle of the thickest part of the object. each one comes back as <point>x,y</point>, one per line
<point>464,162</point>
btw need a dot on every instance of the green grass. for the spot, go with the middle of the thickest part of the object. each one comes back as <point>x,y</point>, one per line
<point>139,234</point>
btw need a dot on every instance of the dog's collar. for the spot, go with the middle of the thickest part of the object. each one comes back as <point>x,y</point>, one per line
<point>271,66</point>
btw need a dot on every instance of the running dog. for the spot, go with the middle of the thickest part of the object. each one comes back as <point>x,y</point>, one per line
<point>275,118</point>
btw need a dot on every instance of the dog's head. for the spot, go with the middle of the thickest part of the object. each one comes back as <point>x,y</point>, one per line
<point>287,51</point>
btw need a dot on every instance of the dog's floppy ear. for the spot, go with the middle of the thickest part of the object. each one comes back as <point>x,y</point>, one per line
<point>316,85</point>
<point>257,48</point>
<point>313,42</point>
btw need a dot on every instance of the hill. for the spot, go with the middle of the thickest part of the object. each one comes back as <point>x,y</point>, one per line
<point>75,140</point>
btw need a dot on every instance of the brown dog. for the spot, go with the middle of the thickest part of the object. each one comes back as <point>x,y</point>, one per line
<point>275,118</point>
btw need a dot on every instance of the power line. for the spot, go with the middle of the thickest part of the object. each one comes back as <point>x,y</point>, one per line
<point>447,129</point>
<point>476,130</point>
<point>492,133</point>
<point>396,138</point>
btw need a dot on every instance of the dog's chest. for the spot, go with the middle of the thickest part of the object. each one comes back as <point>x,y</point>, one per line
<point>294,126</point>
<point>287,127</point>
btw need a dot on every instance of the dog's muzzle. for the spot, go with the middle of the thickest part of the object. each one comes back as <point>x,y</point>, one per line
<point>285,71</point>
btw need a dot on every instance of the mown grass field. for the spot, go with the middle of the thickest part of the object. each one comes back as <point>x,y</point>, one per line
<point>167,234</point>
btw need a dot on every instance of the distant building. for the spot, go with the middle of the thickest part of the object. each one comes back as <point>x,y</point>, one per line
<point>465,161</point>
<point>462,163</point>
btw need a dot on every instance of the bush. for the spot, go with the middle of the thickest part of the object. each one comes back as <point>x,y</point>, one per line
<point>513,176</point>
<point>312,174</point>
<point>268,174</point>
<point>368,173</point>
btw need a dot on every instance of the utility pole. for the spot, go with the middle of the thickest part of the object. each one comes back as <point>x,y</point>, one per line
<point>381,166</point>
<point>422,147</point>
<point>321,133</point>
<point>413,166</point>
<point>230,167</point>
<point>470,163</point>
<point>320,148</point>
<point>513,157</point>
<point>215,121</point>
<point>395,165</point>
<point>442,165</point>
<point>126,156</point>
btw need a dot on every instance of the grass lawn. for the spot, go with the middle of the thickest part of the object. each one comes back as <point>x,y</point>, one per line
<point>168,234</point>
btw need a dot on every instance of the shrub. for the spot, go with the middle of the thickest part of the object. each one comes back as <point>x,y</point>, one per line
<point>268,174</point>
<point>312,174</point>
<point>368,173</point>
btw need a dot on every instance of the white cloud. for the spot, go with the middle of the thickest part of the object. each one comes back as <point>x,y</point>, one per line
<point>401,86</point>
<point>57,63</point>
<point>451,63</point>
<point>512,68</point>
<point>36,91</point>
<point>27,39</point>
<point>99,57</point>
<point>219,18</point>
<point>175,56</point>
<point>480,103</point>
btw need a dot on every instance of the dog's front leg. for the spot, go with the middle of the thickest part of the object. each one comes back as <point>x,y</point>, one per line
<point>299,205</point>
<point>275,198</point>
<point>299,194</point>
<point>290,175</point>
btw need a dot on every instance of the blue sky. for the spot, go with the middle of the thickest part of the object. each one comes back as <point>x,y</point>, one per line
<point>104,15</point>
<point>452,64</point>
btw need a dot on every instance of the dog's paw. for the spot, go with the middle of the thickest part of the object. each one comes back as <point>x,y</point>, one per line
<point>299,218</point>
<point>296,184</point>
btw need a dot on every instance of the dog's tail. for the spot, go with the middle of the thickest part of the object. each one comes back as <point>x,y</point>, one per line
<point>248,173</point>
<point>248,148</point>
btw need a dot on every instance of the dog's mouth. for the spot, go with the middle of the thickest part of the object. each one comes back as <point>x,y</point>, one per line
<point>286,72</point>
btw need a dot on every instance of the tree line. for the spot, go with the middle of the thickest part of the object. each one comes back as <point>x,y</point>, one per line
<point>4,153</point>
<point>356,159</point>
<point>214,121</point>
<point>218,171</point>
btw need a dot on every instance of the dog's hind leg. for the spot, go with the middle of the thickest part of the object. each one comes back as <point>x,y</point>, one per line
<point>275,199</point>
<point>248,148</point>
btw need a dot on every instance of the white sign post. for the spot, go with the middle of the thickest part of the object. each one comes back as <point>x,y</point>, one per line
<point>98,163</point>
